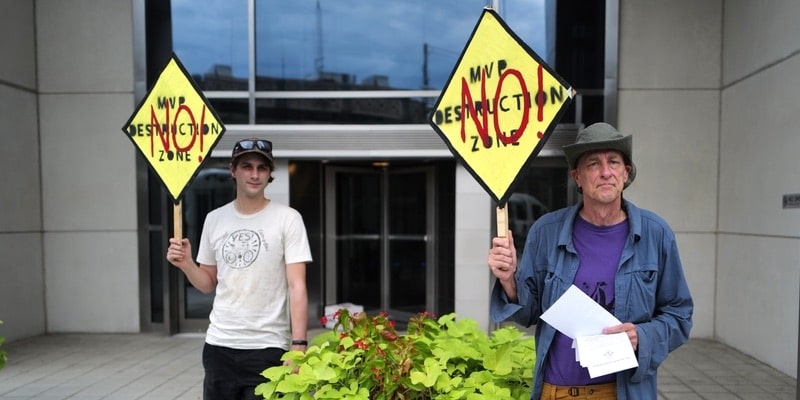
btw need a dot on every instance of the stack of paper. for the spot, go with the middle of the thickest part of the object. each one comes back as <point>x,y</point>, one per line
<point>578,316</point>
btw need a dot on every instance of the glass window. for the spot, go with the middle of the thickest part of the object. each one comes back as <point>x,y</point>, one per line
<point>342,44</point>
<point>542,187</point>
<point>232,111</point>
<point>210,189</point>
<point>369,45</point>
<point>373,110</point>
<point>534,22</point>
<point>210,39</point>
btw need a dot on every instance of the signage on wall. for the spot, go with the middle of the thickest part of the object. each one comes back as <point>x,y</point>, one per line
<point>791,200</point>
<point>175,129</point>
<point>499,106</point>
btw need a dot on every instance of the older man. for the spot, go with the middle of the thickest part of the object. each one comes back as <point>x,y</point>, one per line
<point>624,257</point>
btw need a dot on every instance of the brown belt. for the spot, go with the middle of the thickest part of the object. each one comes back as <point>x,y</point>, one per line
<point>605,391</point>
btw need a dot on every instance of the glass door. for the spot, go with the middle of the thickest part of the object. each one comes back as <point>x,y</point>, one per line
<point>378,243</point>
<point>356,237</point>
<point>211,188</point>
<point>408,254</point>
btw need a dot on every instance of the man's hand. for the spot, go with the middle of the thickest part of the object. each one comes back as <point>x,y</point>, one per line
<point>629,328</point>
<point>179,252</point>
<point>503,258</point>
<point>503,264</point>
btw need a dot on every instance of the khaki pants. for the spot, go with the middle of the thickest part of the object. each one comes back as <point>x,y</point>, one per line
<point>606,391</point>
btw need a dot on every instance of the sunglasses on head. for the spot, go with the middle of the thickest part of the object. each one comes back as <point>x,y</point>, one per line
<point>250,144</point>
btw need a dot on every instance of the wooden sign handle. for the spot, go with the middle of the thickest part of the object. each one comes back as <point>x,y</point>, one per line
<point>177,221</point>
<point>502,222</point>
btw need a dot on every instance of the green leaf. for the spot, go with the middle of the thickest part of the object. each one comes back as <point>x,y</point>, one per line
<point>292,383</point>
<point>327,392</point>
<point>353,392</point>
<point>428,377</point>
<point>325,373</point>
<point>324,338</point>
<point>447,318</point>
<point>347,342</point>
<point>266,390</point>
<point>492,391</point>
<point>457,394</point>
<point>276,373</point>
<point>500,360</point>
<point>293,355</point>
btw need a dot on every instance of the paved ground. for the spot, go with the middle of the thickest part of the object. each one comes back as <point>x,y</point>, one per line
<point>153,367</point>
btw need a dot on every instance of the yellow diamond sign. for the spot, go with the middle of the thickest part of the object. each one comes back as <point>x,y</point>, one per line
<point>175,128</point>
<point>499,106</point>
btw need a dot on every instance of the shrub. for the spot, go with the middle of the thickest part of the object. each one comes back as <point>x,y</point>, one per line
<point>3,355</point>
<point>366,358</point>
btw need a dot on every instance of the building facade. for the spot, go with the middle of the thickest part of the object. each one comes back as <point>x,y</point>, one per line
<point>706,88</point>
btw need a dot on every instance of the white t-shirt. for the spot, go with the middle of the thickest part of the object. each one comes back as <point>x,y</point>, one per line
<point>251,306</point>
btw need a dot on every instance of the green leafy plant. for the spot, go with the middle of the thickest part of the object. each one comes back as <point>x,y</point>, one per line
<point>366,358</point>
<point>3,355</point>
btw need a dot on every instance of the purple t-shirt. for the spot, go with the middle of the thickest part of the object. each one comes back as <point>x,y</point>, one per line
<point>599,249</point>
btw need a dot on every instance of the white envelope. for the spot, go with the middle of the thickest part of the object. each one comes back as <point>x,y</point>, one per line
<point>578,316</point>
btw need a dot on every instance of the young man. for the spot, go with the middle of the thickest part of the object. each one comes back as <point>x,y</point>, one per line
<point>253,252</point>
<point>622,256</point>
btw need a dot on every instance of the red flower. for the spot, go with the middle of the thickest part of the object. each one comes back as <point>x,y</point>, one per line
<point>323,320</point>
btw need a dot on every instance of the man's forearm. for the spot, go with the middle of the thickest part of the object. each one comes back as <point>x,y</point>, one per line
<point>298,303</point>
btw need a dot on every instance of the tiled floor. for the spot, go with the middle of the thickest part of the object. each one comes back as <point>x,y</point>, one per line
<point>148,366</point>
<point>708,370</point>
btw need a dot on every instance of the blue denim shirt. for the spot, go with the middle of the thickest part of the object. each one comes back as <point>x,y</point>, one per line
<point>651,292</point>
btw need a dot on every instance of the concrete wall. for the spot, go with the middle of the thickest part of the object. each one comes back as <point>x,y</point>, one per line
<point>710,95</point>
<point>85,74</point>
<point>473,239</point>
<point>757,272</point>
<point>669,101</point>
<point>21,269</point>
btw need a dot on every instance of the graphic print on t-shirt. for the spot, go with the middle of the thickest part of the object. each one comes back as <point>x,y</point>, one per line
<point>241,248</point>
<point>599,295</point>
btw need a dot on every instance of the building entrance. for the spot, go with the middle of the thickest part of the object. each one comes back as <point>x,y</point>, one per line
<point>211,188</point>
<point>379,242</point>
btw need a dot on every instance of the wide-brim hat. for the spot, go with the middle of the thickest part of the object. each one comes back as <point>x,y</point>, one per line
<point>601,136</point>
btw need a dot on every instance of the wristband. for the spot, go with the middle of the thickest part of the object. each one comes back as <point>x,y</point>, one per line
<point>299,342</point>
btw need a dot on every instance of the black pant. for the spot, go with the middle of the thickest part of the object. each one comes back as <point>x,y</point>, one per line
<point>233,374</point>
